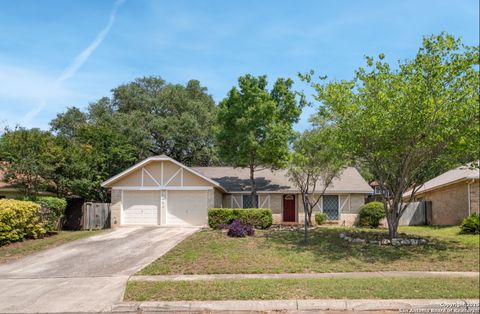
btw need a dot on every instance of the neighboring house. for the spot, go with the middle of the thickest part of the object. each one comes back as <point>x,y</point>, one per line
<point>162,191</point>
<point>454,195</point>
<point>376,194</point>
<point>9,191</point>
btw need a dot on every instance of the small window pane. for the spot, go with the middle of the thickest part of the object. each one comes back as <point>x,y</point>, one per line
<point>247,201</point>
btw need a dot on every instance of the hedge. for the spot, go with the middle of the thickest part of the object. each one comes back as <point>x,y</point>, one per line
<point>52,210</point>
<point>19,220</point>
<point>258,217</point>
<point>371,214</point>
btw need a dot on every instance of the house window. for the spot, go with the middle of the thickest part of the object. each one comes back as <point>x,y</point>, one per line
<point>247,201</point>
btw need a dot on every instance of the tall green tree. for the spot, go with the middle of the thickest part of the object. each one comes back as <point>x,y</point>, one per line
<point>29,159</point>
<point>316,161</point>
<point>255,125</point>
<point>411,122</point>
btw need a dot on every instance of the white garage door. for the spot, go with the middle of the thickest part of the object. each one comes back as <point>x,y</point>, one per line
<point>141,207</point>
<point>187,208</point>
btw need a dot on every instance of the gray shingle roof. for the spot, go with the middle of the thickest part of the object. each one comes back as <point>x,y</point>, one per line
<point>238,180</point>
<point>452,176</point>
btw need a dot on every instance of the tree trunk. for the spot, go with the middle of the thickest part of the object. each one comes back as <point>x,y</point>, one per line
<point>305,209</point>
<point>393,219</point>
<point>254,188</point>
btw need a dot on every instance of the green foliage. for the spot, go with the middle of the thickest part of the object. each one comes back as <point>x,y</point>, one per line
<point>409,122</point>
<point>258,217</point>
<point>371,214</point>
<point>255,124</point>
<point>316,161</point>
<point>320,218</point>
<point>52,210</point>
<point>30,158</point>
<point>471,224</point>
<point>19,220</point>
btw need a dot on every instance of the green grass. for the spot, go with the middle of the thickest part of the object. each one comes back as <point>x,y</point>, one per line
<point>17,250</point>
<point>212,252</point>
<point>272,289</point>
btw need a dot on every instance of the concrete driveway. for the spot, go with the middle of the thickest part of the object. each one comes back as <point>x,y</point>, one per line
<point>87,275</point>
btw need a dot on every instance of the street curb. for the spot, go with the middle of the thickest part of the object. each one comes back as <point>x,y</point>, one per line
<point>300,305</point>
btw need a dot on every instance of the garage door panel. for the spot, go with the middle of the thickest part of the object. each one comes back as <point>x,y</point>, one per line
<point>141,207</point>
<point>187,208</point>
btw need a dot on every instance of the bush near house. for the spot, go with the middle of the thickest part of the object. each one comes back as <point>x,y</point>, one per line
<point>19,220</point>
<point>258,217</point>
<point>52,210</point>
<point>471,224</point>
<point>320,218</point>
<point>238,230</point>
<point>371,214</point>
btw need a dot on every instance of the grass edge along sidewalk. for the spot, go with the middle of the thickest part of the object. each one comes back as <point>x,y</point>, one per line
<point>324,288</point>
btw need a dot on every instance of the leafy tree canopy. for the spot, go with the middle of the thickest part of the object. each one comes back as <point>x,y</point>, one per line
<point>255,124</point>
<point>412,122</point>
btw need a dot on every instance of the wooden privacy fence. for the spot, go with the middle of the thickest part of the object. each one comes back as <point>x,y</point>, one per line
<point>95,215</point>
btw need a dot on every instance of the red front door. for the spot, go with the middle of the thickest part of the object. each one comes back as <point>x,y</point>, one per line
<point>289,208</point>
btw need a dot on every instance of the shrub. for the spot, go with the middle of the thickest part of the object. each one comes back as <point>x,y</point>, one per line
<point>320,218</point>
<point>371,214</point>
<point>471,224</point>
<point>52,210</point>
<point>238,229</point>
<point>19,220</point>
<point>258,217</point>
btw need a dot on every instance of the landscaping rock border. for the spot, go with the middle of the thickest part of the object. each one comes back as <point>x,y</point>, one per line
<point>381,239</point>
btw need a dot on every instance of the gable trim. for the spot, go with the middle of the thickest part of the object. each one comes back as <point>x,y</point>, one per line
<point>157,158</point>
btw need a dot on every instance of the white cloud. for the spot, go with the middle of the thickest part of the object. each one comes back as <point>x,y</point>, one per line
<point>72,68</point>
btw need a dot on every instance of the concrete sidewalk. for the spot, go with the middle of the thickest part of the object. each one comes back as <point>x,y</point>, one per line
<point>305,275</point>
<point>248,306</point>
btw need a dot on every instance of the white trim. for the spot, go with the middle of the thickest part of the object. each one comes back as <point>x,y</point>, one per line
<point>157,158</point>
<point>158,188</point>
<point>173,176</point>
<point>267,199</point>
<point>236,201</point>
<point>150,175</point>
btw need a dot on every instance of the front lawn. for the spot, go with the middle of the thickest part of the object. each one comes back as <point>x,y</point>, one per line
<point>211,252</point>
<point>274,289</point>
<point>17,250</point>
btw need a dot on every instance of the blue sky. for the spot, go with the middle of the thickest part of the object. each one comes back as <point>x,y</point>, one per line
<point>57,54</point>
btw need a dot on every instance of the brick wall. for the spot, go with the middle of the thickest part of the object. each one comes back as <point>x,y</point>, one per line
<point>115,208</point>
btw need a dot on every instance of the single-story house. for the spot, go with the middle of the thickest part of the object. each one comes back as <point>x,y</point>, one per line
<point>454,195</point>
<point>162,191</point>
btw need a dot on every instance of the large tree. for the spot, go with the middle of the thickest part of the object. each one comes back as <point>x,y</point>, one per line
<point>316,161</point>
<point>255,125</point>
<point>411,122</point>
<point>29,158</point>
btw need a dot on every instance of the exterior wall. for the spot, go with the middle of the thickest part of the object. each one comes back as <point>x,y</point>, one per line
<point>210,199</point>
<point>115,208</point>
<point>449,204</point>
<point>475,197</point>
<point>217,198</point>
<point>276,206</point>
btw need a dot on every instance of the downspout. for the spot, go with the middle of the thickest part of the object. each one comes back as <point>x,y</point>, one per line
<point>469,196</point>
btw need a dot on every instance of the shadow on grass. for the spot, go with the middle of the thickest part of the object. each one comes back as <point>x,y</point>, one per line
<point>326,244</point>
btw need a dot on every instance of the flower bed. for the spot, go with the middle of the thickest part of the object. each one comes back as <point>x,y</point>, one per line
<point>379,238</point>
